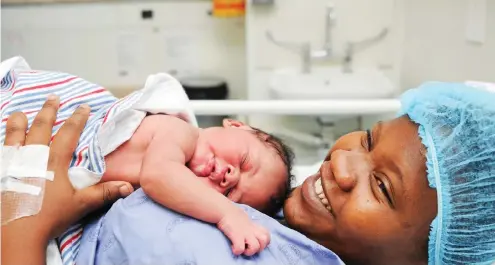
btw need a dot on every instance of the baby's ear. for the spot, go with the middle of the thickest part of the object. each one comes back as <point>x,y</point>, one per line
<point>230,123</point>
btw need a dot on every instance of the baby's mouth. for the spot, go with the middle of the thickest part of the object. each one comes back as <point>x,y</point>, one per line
<point>321,195</point>
<point>209,168</point>
<point>205,169</point>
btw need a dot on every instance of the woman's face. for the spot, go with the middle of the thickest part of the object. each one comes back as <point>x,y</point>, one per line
<point>374,205</point>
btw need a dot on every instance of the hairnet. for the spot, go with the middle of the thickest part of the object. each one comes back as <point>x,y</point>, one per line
<point>457,126</point>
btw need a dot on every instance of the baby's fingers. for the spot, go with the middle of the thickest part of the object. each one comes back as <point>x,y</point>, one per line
<point>238,244</point>
<point>253,246</point>
<point>263,237</point>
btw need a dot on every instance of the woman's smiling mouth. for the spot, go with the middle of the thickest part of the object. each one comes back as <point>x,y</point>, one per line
<point>321,195</point>
<point>313,194</point>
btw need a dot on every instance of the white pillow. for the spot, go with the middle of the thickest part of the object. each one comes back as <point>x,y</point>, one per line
<point>302,172</point>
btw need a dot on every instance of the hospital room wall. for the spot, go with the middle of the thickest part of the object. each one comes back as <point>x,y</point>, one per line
<point>435,44</point>
<point>299,21</point>
<point>427,41</point>
<point>110,43</point>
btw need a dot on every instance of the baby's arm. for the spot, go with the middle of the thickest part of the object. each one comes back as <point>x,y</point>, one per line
<point>166,179</point>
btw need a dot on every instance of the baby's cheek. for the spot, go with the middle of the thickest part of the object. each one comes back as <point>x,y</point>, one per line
<point>234,196</point>
<point>260,201</point>
<point>196,169</point>
<point>198,161</point>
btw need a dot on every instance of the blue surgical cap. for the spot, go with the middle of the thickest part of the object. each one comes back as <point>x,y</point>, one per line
<point>457,126</point>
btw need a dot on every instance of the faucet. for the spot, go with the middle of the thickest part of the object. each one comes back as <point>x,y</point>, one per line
<point>352,47</point>
<point>308,55</point>
<point>326,52</point>
<point>304,48</point>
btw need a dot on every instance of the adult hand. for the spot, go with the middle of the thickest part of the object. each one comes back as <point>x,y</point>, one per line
<point>24,240</point>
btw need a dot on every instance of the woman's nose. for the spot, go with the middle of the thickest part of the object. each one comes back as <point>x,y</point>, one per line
<point>348,167</point>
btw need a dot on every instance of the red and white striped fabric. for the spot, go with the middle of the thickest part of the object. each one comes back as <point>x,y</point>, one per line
<point>112,121</point>
<point>27,91</point>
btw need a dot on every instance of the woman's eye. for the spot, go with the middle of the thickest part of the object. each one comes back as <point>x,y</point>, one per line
<point>383,188</point>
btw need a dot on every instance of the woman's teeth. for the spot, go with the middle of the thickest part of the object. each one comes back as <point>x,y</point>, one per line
<point>321,194</point>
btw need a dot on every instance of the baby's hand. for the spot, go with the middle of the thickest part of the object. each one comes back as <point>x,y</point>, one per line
<point>247,237</point>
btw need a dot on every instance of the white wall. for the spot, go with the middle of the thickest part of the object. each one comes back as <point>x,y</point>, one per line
<point>101,41</point>
<point>303,20</point>
<point>435,46</point>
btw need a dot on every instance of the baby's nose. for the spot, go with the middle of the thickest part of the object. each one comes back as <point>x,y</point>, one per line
<point>218,176</point>
<point>230,178</point>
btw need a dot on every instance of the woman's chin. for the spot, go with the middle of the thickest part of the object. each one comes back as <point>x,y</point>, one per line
<point>290,209</point>
<point>296,212</point>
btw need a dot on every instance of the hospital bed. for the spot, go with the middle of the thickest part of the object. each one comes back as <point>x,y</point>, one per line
<point>295,107</point>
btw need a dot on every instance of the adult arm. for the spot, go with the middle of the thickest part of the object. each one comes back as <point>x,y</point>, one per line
<point>24,240</point>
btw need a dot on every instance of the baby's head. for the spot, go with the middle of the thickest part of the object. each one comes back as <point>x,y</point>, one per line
<point>246,164</point>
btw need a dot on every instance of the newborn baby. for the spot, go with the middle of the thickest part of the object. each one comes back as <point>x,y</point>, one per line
<point>196,172</point>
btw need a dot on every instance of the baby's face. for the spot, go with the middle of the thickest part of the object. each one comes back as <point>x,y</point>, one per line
<point>235,162</point>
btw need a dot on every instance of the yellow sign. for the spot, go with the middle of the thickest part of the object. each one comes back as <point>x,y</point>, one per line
<point>229,8</point>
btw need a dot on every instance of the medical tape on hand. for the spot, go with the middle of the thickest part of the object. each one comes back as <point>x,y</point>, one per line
<point>15,185</point>
<point>23,176</point>
<point>30,161</point>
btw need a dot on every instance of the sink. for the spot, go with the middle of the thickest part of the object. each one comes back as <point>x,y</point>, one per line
<point>330,83</point>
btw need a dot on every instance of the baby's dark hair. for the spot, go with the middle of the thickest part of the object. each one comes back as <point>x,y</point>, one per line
<point>287,156</point>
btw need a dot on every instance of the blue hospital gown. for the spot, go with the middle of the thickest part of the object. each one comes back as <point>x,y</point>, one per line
<point>136,230</point>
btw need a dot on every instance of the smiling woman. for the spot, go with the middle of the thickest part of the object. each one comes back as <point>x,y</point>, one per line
<point>419,189</point>
<point>365,192</point>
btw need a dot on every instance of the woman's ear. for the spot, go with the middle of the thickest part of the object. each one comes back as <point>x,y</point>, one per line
<point>230,123</point>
